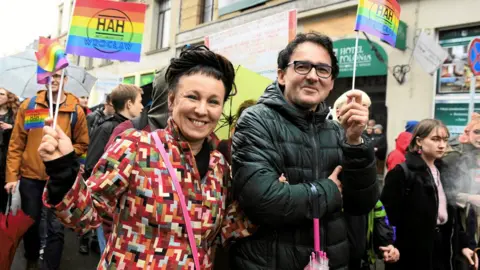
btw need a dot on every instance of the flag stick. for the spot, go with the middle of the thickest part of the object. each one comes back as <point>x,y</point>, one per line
<point>50,98</point>
<point>59,94</point>
<point>63,70</point>
<point>355,60</point>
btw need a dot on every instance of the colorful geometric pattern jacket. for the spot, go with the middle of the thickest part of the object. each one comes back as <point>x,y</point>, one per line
<point>131,184</point>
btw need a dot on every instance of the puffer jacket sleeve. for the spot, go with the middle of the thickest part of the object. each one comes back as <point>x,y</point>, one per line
<point>256,185</point>
<point>359,178</point>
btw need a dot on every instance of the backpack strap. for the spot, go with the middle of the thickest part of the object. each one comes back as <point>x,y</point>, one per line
<point>73,122</point>
<point>409,177</point>
<point>32,103</point>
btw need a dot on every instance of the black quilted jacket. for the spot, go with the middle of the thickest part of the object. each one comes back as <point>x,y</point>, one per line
<point>272,138</point>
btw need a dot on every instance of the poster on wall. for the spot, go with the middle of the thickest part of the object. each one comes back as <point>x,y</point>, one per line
<point>255,45</point>
<point>455,74</point>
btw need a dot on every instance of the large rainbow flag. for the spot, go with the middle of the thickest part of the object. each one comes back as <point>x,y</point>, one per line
<point>379,18</point>
<point>107,29</point>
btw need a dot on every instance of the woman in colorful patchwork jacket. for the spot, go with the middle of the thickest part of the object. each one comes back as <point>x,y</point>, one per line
<point>132,183</point>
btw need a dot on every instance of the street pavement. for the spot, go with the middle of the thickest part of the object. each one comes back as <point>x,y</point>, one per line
<point>71,259</point>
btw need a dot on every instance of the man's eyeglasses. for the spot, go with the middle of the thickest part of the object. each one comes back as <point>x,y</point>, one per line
<point>304,67</point>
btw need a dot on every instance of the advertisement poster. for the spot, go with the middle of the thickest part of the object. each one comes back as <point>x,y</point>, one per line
<point>455,74</point>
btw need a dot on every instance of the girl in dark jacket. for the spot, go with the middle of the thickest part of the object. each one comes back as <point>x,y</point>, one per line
<point>9,104</point>
<point>417,205</point>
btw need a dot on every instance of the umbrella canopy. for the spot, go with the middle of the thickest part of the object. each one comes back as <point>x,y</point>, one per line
<point>18,74</point>
<point>250,85</point>
<point>12,228</point>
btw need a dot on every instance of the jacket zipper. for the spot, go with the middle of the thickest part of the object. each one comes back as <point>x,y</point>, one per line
<point>315,170</point>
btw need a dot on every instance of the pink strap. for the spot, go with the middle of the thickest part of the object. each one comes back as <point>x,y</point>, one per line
<point>179,191</point>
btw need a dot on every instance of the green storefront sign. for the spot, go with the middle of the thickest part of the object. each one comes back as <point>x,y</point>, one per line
<point>454,115</point>
<point>367,63</point>
<point>129,80</point>
<point>146,78</point>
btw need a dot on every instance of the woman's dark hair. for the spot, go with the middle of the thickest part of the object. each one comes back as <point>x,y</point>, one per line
<point>423,129</point>
<point>200,60</point>
<point>319,39</point>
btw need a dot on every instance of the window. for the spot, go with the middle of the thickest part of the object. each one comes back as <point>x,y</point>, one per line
<point>207,14</point>
<point>455,75</point>
<point>163,24</point>
<point>129,80</point>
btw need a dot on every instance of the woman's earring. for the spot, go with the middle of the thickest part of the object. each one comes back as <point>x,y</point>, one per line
<point>419,150</point>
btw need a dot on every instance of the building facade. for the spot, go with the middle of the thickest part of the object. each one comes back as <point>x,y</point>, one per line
<point>399,88</point>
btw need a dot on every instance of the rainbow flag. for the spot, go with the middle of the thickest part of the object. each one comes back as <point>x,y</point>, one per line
<point>51,55</point>
<point>82,159</point>
<point>107,29</point>
<point>35,118</point>
<point>379,18</point>
<point>43,75</point>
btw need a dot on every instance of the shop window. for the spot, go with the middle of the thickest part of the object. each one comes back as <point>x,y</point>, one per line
<point>455,74</point>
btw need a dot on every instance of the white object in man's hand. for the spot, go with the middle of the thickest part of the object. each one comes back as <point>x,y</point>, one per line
<point>354,117</point>
<point>55,143</point>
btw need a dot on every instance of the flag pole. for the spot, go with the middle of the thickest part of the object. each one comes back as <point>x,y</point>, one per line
<point>355,60</point>
<point>58,99</point>
<point>50,97</point>
<point>63,70</point>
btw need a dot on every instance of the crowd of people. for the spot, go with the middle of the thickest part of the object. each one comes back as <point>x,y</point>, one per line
<point>159,190</point>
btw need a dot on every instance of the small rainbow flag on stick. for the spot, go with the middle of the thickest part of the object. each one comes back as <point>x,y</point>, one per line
<point>107,29</point>
<point>51,55</point>
<point>379,18</point>
<point>35,118</point>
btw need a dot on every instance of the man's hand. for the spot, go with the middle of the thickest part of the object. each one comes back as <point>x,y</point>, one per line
<point>471,257</point>
<point>55,143</point>
<point>10,187</point>
<point>334,178</point>
<point>354,117</point>
<point>5,126</point>
<point>390,254</point>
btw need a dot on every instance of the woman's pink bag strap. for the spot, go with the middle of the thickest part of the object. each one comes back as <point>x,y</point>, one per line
<point>178,189</point>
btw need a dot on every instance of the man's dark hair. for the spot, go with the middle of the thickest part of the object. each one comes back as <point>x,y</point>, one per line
<point>200,60</point>
<point>319,39</point>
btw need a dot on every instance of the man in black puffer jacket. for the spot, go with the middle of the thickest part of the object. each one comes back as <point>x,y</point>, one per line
<point>286,133</point>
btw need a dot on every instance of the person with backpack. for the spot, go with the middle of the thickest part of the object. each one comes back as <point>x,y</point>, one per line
<point>25,167</point>
<point>427,234</point>
<point>156,117</point>
<point>97,117</point>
